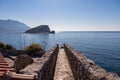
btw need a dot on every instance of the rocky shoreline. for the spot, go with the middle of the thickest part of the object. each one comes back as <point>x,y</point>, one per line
<point>82,67</point>
<point>30,69</point>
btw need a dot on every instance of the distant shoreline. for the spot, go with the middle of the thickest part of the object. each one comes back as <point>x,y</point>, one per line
<point>64,32</point>
<point>92,31</point>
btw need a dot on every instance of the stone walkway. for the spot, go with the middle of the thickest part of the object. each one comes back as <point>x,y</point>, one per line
<point>63,70</point>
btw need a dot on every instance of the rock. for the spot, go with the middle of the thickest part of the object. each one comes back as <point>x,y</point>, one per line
<point>39,29</point>
<point>52,32</point>
<point>22,61</point>
<point>38,54</point>
<point>9,52</point>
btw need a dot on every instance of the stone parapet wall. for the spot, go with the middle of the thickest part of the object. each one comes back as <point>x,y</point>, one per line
<point>47,69</point>
<point>86,69</point>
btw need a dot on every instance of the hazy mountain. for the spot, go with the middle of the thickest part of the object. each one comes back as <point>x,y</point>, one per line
<point>39,29</point>
<point>12,26</point>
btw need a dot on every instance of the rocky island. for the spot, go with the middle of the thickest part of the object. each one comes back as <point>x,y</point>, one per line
<point>40,29</point>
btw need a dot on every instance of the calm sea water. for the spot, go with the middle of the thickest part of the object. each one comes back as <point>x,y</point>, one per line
<point>102,47</point>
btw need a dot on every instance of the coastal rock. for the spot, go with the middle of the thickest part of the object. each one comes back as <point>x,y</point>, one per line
<point>38,54</point>
<point>22,61</point>
<point>86,69</point>
<point>39,29</point>
<point>52,32</point>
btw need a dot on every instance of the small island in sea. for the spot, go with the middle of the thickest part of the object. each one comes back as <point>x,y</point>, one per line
<point>40,29</point>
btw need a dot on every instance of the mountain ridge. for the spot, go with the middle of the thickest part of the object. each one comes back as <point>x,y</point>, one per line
<point>12,26</point>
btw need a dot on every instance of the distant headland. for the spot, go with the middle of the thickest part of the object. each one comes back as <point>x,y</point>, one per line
<point>13,26</point>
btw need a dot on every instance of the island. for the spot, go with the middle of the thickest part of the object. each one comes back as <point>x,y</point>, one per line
<point>40,29</point>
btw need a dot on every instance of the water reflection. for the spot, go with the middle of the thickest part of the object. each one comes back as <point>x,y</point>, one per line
<point>20,41</point>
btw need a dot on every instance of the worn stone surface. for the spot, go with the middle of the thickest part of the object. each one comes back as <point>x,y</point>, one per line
<point>86,69</point>
<point>63,70</point>
<point>9,61</point>
<point>44,66</point>
<point>48,68</point>
<point>22,61</point>
<point>82,67</point>
<point>38,54</point>
<point>34,67</point>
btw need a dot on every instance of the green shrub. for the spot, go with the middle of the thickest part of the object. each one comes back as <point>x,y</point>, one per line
<point>8,46</point>
<point>2,45</point>
<point>33,48</point>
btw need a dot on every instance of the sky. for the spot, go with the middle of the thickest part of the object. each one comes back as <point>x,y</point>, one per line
<point>64,15</point>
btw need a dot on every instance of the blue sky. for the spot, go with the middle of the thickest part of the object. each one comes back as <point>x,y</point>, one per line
<point>64,15</point>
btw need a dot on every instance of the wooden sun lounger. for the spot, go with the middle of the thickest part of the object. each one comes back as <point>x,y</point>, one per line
<point>22,77</point>
<point>3,63</point>
<point>1,56</point>
<point>4,66</point>
<point>2,60</point>
<point>7,69</point>
<point>2,74</point>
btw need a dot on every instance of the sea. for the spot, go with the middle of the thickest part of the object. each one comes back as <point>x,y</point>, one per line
<point>101,46</point>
